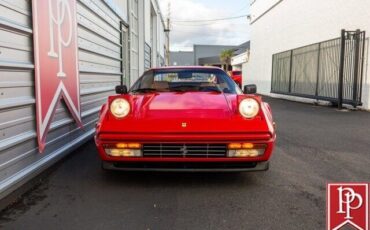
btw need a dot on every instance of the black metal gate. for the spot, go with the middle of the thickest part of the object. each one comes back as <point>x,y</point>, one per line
<point>331,70</point>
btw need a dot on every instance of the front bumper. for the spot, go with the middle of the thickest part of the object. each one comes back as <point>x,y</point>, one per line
<point>187,166</point>
<point>224,164</point>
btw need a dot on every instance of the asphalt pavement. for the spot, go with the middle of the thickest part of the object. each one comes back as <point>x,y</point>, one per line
<point>315,145</point>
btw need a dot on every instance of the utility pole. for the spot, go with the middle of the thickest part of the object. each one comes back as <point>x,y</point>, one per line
<point>168,30</point>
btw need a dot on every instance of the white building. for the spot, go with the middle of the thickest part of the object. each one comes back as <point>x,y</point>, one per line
<point>282,25</point>
<point>241,58</point>
<point>148,39</point>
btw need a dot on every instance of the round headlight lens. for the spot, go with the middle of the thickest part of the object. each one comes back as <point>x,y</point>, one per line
<point>120,108</point>
<point>249,108</point>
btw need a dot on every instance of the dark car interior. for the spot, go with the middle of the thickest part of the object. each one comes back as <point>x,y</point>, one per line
<point>186,81</point>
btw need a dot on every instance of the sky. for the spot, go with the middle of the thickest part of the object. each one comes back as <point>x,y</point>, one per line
<point>188,27</point>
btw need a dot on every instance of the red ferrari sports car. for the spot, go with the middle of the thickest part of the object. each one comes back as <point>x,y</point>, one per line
<point>185,119</point>
<point>236,75</point>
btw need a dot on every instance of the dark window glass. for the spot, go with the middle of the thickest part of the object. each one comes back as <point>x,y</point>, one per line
<point>186,80</point>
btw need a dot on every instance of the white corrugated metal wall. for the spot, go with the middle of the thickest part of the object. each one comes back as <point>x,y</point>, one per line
<point>134,40</point>
<point>99,35</point>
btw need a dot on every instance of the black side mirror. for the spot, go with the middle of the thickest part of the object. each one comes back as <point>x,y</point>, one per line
<point>121,89</point>
<point>250,89</point>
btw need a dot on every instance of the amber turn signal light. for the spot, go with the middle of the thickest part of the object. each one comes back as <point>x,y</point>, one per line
<point>128,145</point>
<point>234,146</point>
<point>240,146</point>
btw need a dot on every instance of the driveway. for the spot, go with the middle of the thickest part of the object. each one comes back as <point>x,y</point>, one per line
<point>315,145</point>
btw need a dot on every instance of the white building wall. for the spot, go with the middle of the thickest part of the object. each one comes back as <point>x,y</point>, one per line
<point>142,35</point>
<point>155,40</point>
<point>145,27</point>
<point>134,40</point>
<point>246,73</point>
<point>161,41</point>
<point>161,38</point>
<point>99,51</point>
<point>120,7</point>
<point>280,25</point>
<point>238,61</point>
<point>147,9</point>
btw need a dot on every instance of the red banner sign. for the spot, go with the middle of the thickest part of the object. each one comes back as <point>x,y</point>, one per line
<point>348,206</point>
<point>56,61</point>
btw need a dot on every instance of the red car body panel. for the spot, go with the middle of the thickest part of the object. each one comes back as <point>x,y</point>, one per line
<point>210,117</point>
<point>236,75</point>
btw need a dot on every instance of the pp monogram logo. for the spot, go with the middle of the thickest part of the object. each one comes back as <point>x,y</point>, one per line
<point>56,62</point>
<point>348,206</point>
<point>63,13</point>
<point>347,198</point>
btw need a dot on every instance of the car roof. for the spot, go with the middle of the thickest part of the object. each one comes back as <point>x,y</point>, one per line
<point>187,67</point>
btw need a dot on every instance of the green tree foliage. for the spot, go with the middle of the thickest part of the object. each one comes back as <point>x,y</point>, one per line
<point>225,58</point>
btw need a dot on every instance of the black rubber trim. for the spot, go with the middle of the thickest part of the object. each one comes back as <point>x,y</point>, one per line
<point>188,166</point>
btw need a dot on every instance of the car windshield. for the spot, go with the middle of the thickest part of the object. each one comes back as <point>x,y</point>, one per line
<point>186,80</point>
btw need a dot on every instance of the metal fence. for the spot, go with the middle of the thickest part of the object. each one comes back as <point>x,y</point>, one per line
<point>331,70</point>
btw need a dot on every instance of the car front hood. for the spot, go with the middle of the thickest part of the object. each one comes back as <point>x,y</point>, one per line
<point>189,112</point>
<point>185,105</point>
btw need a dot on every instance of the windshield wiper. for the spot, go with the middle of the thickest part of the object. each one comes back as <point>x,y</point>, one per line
<point>143,90</point>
